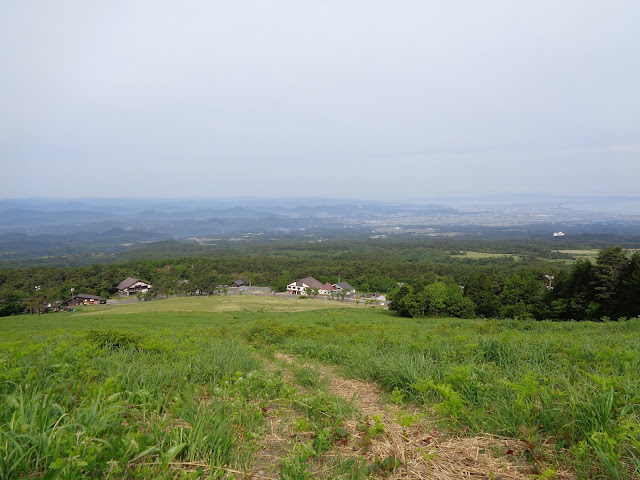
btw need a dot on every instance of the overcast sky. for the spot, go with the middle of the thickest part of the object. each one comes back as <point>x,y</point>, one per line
<point>347,98</point>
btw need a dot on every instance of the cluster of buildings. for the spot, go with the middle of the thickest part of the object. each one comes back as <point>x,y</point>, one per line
<point>74,300</point>
<point>127,287</point>
<point>132,286</point>
<point>305,285</point>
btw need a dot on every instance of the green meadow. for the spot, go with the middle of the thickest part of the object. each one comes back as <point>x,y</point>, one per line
<point>485,255</point>
<point>192,388</point>
<point>590,253</point>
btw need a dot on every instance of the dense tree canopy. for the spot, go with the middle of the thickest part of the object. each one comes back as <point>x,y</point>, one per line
<point>431,285</point>
<point>610,288</point>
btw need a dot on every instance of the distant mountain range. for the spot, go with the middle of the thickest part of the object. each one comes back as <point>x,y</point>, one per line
<point>51,227</point>
<point>184,219</point>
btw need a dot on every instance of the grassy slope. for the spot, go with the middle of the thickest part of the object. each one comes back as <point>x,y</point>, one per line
<point>573,386</point>
<point>175,313</point>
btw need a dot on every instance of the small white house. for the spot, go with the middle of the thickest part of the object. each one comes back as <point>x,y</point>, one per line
<point>327,289</point>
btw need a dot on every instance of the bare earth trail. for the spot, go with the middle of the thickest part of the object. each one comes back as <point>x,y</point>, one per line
<point>422,451</point>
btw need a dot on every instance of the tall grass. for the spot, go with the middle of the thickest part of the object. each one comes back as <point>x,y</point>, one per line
<point>117,405</point>
<point>572,386</point>
<point>161,388</point>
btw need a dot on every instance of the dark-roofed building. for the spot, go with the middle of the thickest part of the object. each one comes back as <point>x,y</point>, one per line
<point>55,306</point>
<point>237,284</point>
<point>344,286</point>
<point>84,299</point>
<point>311,282</point>
<point>296,288</point>
<point>131,286</point>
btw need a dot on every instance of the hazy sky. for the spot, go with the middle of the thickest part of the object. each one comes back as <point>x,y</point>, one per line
<point>350,98</point>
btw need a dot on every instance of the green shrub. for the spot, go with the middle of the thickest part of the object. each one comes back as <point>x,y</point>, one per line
<point>114,339</point>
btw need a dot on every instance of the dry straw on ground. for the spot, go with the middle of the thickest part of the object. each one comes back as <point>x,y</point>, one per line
<point>429,454</point>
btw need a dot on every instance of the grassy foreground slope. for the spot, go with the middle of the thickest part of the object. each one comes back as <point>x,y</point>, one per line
<point>150,389</point>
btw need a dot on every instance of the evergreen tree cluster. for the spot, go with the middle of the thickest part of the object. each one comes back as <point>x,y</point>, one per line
<point>610,288</point>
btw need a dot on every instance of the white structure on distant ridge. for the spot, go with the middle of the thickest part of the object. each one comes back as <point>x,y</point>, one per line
<point>558,234</point>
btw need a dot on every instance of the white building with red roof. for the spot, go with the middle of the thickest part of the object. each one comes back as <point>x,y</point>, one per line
<point>326,289</point>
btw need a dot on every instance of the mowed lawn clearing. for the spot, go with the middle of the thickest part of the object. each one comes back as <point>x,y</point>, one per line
<point>484,255</point>
<point>176,313</point>
<point>225,303</point>
<point>584,253</point>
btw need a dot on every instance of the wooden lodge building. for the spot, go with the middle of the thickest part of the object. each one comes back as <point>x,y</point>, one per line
<point>83,299</point>
<point>131,286</point>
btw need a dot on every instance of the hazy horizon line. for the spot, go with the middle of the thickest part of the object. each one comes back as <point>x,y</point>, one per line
<point>314,197</point>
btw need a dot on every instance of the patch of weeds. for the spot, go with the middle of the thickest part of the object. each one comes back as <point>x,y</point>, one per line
<point>322,406</point>
<point>324,439</point>
<point>301,424</point>
<point>257,385</point>
<point>348,468</point>
<point>269,332</point>
<point>397,397</point>
<point>452,404</point>
<point>369,431</point>
<point>341,435</point>
<point>428,456</point>
<point>114,339</point>
<point>325,415</point>
<point>294,466</point>
<point>406,420</point>
<point>384,467</point>
<point>309,377</point>
<point>533,452</point>
<point>548,474</point>
<point>601,452</point>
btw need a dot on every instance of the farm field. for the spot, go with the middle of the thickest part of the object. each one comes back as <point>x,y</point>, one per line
<point>485,255</point>
<point>591,253</point>
<point>585,254</point>
<point>571,256</point>
<point>268,388</point>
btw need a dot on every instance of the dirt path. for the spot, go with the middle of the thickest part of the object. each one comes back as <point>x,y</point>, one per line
<point>419,449</point>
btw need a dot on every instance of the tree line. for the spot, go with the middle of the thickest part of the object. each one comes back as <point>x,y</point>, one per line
<point>606,289</point>
<point>432,283</point>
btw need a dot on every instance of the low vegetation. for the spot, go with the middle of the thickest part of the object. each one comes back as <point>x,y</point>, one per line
<point>152,390</point>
